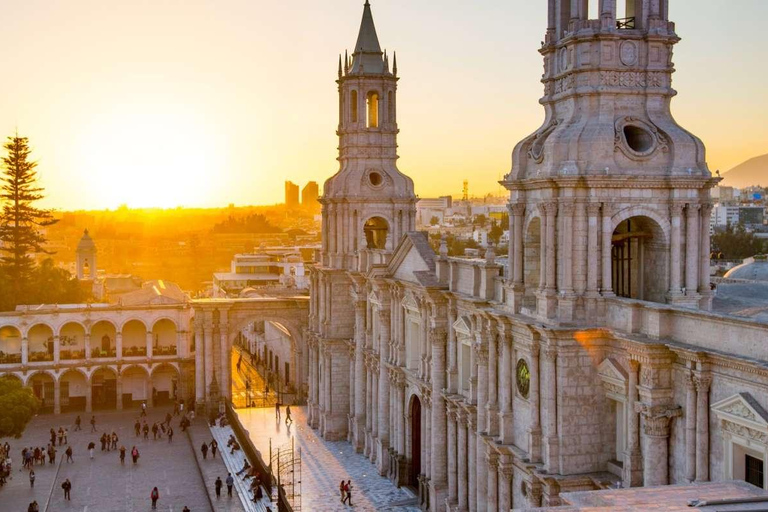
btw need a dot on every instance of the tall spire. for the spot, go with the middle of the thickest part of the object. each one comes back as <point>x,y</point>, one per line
<point>367,49</point>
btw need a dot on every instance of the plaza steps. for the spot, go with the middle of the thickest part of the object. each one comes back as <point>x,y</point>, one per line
<point>234,463</point>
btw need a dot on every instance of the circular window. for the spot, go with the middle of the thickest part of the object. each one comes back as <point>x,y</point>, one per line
<point>638,139</point>
<point>523,376</point>
<point>375,179</point>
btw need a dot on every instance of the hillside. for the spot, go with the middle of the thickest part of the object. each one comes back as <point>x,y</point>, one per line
<point>752,172</point>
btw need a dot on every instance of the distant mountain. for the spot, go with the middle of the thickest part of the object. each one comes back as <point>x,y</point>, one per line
<point>752,172</point>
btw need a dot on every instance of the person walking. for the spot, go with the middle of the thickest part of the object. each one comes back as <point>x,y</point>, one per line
<point>69,454</point>
<point>342,492</point>
<point>93,424</point>
<point>214,447</point>
<point>51,454</point>
<point>33,507</point>
<point>91,446</point>
<point>137,428</point>
<point>145,429</point>
<point>277,410</point>
<point>135,455</point>
<point>32,478</point>
<point>154,496</point>
<point>170,434</point>
<point>122,454</point>
<point>77,423</point>
<point>218,485</point>
<point>53,437</point>
<point>186,509</point>
<point>348,490</point>
<point>67,486</point>
<point>204,449</point>
<point>144,409</point>
<point>230,483</point>
<point>61,436</point>
<point>66,433</point>
<point>288,415</point>
<point>154,431</point>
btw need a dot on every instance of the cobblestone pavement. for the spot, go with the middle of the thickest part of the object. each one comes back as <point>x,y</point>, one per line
<point>102,484</point>
<point>324,464</point>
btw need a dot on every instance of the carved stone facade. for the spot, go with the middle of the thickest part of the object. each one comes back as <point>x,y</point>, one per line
<point>488,387</point>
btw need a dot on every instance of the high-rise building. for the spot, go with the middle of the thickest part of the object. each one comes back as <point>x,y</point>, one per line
<point>291,194</point>
<point>309,195</point>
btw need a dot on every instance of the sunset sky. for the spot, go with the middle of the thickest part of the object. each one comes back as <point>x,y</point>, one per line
<point>205,103</point>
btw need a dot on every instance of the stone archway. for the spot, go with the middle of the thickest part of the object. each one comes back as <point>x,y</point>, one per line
<point>414,413</point>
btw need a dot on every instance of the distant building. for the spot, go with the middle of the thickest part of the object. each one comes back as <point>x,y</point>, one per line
<point>309,195</point>
<point>291,194</point>
<point>86,258</point>
<point>433,207</point>
<point>273,267</point>
<point>747,216</point>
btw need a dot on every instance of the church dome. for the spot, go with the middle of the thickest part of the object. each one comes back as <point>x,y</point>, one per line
<point>86,243</point>
<point>753,269</point>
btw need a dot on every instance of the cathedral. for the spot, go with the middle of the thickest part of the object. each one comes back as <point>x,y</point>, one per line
<point>592,356</point>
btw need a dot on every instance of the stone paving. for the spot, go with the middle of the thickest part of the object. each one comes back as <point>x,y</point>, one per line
<point>103,484</point>
<point>324,464</point>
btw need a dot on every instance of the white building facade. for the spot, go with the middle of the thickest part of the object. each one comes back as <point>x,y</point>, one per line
<point>594,361</point>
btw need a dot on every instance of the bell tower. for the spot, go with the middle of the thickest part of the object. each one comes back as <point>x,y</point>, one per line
<point>610,196</point>
<point>368,205</point>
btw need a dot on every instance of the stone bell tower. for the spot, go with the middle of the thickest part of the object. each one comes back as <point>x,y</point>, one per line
<point>86,258</point>
<point>610,196</point>
<point>368,204</point>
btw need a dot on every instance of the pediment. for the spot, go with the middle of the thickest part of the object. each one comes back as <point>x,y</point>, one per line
<point>409,302</point>
<point>413,260</point>
<point>374,298</point>
<point>613,376</point>
<point>463,326</point>
<point>742,409</point>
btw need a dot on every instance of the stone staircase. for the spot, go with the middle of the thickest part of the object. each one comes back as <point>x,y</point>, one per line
<point>234,463</point>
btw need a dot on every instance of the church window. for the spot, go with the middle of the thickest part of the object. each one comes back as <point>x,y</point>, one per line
<point>626,14</point>
<point>465,363</point>
<point>753,471</point>
<point>523,377</point>
<point>639,260</point>
<point>376,230</point>
<point>353,105</point>
<point>391,107</point>
<point>375,179</point>
<point>373,110</point>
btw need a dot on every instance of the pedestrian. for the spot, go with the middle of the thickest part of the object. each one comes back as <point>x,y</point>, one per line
<point>170,434</point>
<point>342,492</point>
<point>154,431</point>
<point>122,454</point>
<point>52,454</point>
<point>137,428</point>
<point>53,437</point>
<point>288,414</point>
<point>154,496</point>
<point>135,454</point>
<point>114,440</point>
<point>348,490</point>
<point>103,440</point>
<point>69,454</point>
<point>93,423</point>
<point>144,409</point>
<point>77,423</point>
<point>66,433</point>
<point>218,485</point>
<point>67,486</point>
<point>277,410</point>
<point>214,447</point>
<point>34,507</point>
<point>61,436</point>
<point>204,449</point>
<point>145,429</point>
<point>186,509</point>
<point>230,483</point>
<point>42,456</point>
<point>91,446</point>
<point>32,478</point>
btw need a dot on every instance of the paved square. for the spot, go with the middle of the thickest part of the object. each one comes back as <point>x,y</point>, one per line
<point>103,484</point>
<point>324,464</point>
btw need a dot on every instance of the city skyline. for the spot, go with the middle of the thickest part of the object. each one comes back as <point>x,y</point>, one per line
<point>207,98</point>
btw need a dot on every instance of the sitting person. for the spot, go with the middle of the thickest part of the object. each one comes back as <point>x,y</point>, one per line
<point>246,467</point>
<point>235,446</point>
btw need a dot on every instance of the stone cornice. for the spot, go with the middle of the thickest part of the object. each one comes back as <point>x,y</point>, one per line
<point>612,182</point>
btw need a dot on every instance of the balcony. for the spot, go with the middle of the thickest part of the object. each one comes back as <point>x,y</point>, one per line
<point>69,355</point>
<point>135,352</point>
<point>10,358</point>
<point>40,356</point>
<point>169,350</point>
<point>103,354</point>
<point>625,23</point>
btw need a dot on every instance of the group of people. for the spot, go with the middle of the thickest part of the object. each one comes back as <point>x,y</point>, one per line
<point>345,489</point>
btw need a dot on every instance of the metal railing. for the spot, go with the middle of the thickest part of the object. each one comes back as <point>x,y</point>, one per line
<point>625,23</point>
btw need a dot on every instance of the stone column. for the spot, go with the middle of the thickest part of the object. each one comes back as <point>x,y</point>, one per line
<point>438,463</point>
<point>656,420</point>
<point>150,345</point>
<point>56,349</point>
<point>352,399</point>
<point>704,252</point>
<point>593,210</point>
<point>462,454</point>
<point>703,382</point>
<point>493,482</point>
<point>505,488</point>
<point>24,350</point>
<point>506,419</point>
<point>119,345</point>
<point>482,394</point>
<point>607,263</point>
<point>385,324</point>
<point>208,336</point>
<point>119,391</point>
<point>542,246</point>
<point>226,362</point>
<point>471,461</point>
<point>368,413</point>
<point>199,365</point>
<point>690,428</point>
<point>550,407</point>
<point>692,250</point>
<point>360,381</point>
<point>633,475</point>
<point>89,395</point>
<point>492,408</point>
<point>534,431</point>
<point>452,384</point>
<point>567,212</point>
<point>57,396</point>
<point>676,211</point>
<point>551,209</point>
<point>452,456</point>
<point>87,345</point>
<point>517,213</point>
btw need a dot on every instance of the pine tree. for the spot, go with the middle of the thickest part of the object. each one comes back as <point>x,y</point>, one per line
<point>20,220</point>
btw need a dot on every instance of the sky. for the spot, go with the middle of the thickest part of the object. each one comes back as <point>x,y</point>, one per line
<point>210,102</point>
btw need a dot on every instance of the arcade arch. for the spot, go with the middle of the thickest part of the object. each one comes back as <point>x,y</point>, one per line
<point>135,384</point>
<point>104,388</point>
<point>43,385</point>
<point>165,384</point>
<point>74,390</point>
<point>134,338</point>
<point>40,338</point>
<point>10,345</point>
<point>103,339</point>
<point>72,341</point>
<point>164,338</point>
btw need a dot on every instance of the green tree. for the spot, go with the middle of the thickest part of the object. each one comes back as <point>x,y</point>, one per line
<point>20,220</point>
<point>735,243</point>
<point>495,233</point>
<point>17,406</point>
<point>434,221</point>
<point>53,285</point>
